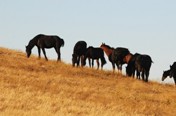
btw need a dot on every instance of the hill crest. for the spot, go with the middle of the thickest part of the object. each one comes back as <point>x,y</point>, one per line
<point>30,86</point>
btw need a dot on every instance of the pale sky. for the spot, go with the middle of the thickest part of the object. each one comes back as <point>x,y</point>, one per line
<point>143,26</point>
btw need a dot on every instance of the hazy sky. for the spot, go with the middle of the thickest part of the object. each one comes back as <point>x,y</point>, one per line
<point>143,26</point>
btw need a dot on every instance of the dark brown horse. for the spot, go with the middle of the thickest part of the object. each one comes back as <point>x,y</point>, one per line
<point>45,41</point>
<point>171,72</point>
<point>79,52</point>
<point>115,56</point>
<point>140,63</point>
<point>94,54</point>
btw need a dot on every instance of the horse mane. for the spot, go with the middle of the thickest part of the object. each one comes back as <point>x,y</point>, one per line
<point>34,40</point>
<point>107,46</point>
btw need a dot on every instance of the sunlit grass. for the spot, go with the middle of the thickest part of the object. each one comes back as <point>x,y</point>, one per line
<point>38,87</point>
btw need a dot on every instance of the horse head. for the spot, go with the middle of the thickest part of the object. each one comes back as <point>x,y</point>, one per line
<point>102,45</point>
<point>165,74</point>
<point>107,49</point>
<point>28,51</point>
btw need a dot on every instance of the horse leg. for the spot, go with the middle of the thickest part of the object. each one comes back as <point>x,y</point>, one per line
<point>119,68</point>
<point>138,75</point>
<point>57,49</point>
<point>83,61</point>
<point>39,52</point>
<point>59,56</point>
<point>98,64</point>
<point>92,63</point>
<point>103,62</point>
<point>147,75</point>
<point>174,79</point>
<point>78,60</point>
<point>133,73</point>
<point>113,66</point>
<point>143,78</point>
<point>44,54</point>
<point>102,65</point>
<point>89,62</point>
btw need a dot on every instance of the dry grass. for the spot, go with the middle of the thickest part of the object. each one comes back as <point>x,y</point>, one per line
<point>36,87</point>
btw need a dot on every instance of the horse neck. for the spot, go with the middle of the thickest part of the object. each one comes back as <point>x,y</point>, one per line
<point>107,51</point>
<point>127,58</point>
<point>167,72</point>
<point>110,57</point>
<point>33,42</point>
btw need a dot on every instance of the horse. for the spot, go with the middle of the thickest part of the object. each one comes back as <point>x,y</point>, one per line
<point>115,56</point>
<point>165,74</point>
<point>95,54</point>
<point>45,41</point>
<point>173,71</point>
<point>79,51</point>
<point>141,63</point>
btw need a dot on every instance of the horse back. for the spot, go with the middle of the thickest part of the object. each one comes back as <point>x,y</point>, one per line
<point>49,41</point>
<point>143,62</point>
<point>119,54</point>
<point>80,48</point>
<point>94,52</point>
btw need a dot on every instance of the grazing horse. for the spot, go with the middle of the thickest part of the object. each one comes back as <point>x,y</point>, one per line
<point>115,56</point>
<point>173,71</point>
<point>140,63</point>
<point>130,69</point>
<point>45,41</point>
<point>79,51</point>
<point>95,53</point>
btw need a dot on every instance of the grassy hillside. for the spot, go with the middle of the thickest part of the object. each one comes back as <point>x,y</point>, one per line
<point>37,87</point>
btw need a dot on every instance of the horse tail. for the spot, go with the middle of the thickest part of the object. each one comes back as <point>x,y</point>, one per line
<point>103,60</point>
<point>62,42</point>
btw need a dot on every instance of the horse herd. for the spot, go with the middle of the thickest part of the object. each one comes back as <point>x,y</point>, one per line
<point>139,63</point>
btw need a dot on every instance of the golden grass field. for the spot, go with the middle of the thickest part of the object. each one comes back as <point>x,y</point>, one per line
<point>37,87</point>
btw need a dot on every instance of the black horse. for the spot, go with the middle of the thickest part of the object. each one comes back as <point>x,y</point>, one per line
<point>95,54</point>
<point>45,41</point>
<point>171,72</point>
<point>140,63</point>
<point>79,51</point>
